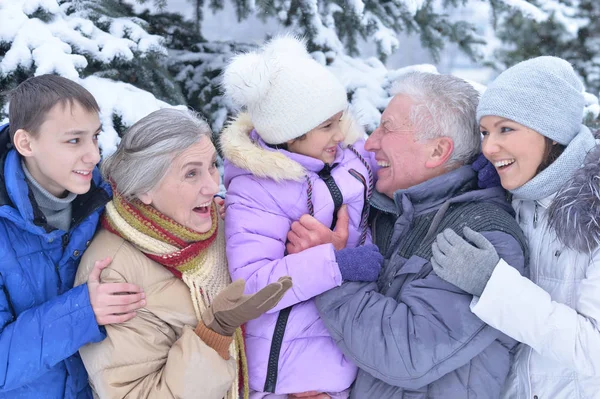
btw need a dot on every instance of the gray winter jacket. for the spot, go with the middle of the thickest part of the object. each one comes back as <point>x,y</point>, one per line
<point>411,334</point>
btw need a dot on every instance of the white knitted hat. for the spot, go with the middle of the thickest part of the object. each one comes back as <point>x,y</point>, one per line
<point>286,92</point>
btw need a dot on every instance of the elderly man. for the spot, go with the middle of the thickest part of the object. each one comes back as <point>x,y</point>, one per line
<point>412,334</point>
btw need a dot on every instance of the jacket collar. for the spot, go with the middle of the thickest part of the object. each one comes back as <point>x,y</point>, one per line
<point>458,185</point>
<point>5,147</point>
<point>243,147</point>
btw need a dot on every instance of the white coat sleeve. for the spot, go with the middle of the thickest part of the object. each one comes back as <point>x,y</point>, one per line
<point>524,311</point>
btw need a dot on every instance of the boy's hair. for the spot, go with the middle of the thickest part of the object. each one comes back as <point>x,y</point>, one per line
<point>34,98</point>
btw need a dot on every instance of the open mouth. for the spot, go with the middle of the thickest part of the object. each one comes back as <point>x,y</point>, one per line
<point>383,164</point>
<point>87,174</point>
<point>203,209</point>
<point>504,164</point>
<point>330,150</point>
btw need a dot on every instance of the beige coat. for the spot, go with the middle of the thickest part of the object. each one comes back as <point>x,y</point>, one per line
<point>156,354</point>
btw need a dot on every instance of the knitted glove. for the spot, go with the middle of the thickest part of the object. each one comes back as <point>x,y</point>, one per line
<point>231,308</point>
<point>487,176</point>
<point>467,266</point>
<point>359,264</point>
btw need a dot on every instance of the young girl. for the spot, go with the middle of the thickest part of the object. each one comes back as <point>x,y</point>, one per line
<point>294,151</point>
<point>530,117</point>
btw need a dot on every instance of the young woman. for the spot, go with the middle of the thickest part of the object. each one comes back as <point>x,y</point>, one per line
<point>530,118</point>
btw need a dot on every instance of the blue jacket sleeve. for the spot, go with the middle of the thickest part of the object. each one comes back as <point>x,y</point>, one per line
<point>414,339</point>
<point>43,336</point>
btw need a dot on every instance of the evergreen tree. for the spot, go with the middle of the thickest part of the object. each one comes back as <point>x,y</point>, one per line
<point>97,43</point>
<point>569,29</point>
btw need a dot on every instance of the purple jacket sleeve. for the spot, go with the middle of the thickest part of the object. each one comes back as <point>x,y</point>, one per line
<point>416,338</point>
<point>256,232</point>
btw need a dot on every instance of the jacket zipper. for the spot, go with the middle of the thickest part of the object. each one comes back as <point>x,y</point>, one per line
<point>273,364</point>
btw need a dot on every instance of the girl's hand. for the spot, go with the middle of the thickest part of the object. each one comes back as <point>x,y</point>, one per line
<point>220,206</point>
<point>308,232</point>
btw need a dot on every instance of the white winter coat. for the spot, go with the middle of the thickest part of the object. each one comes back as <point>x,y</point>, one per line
<point>556,314</point>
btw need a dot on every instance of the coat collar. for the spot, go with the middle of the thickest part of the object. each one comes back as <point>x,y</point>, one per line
<point>242,146</point>
<point>458,185</point>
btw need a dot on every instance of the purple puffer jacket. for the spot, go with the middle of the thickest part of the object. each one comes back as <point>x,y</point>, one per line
<point>266,192</point>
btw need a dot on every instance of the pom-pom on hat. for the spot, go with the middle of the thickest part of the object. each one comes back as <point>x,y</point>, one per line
<point>542,93</point>
<point>286,92</point>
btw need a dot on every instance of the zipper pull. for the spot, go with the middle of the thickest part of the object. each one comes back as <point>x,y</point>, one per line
<point>535,214</point>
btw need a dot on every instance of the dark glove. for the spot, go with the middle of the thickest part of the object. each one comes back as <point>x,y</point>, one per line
<point>359,264</point>
<point>465,265</point>
<point>487,176</point>
<point>231,308</point>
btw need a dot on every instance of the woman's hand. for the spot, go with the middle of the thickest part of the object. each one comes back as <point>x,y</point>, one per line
<point>465,265</point>
<point>231,308</point>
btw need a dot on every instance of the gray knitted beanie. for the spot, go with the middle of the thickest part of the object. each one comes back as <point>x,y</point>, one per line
<point>542,93</point>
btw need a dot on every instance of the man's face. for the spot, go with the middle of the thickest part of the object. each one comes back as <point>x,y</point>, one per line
<point>398,152</point>
<point>63,154</point>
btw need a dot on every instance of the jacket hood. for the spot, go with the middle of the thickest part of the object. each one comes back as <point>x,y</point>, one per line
<point>248,152</point>
<point>574,214</point>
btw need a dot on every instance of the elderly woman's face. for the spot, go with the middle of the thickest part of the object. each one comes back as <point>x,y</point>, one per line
<point>186,192</point>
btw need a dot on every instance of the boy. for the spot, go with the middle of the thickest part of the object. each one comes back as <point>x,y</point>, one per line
<point>51,197</point>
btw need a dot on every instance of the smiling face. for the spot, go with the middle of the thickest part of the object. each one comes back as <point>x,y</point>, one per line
<point>185,193</point>
<point>321,142</point>
<point>515,150</point>
<point>403,158</point>
<point>63,153</point>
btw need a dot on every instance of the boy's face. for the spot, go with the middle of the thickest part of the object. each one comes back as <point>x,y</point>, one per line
<point>62,156</point>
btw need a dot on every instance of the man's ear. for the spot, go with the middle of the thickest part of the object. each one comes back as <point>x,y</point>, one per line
<point>441,151</point>
<point>22,142</point>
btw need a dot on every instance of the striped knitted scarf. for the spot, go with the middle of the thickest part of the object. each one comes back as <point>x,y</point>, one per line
<point>196,258</point>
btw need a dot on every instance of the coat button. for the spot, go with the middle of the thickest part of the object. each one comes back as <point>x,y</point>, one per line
<point>87,243</point>
<point>51,240</point>
<point>557,253</point>
<point>76,253</point>
<point>535,397</point>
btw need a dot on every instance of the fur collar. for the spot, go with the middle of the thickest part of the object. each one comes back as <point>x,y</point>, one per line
<point>574,214</point>
<point>247,154</point>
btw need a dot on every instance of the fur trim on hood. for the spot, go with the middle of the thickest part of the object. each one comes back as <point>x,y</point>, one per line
<point>574,214</point>
<point>239,149</point>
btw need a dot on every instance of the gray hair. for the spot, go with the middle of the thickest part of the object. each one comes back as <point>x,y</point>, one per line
<point>149,146</point>
<point>444,105</point>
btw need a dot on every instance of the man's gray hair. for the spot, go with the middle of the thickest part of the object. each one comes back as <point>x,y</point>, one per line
<point>444,105</point>
<point>149,146</point>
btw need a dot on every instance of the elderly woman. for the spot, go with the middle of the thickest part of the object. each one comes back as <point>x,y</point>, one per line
<point>163,233</point>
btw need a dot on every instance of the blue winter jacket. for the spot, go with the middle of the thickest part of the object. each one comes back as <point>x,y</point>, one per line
<point>43,319</point>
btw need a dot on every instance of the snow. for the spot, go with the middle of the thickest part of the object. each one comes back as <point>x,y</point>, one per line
<point>69,43</point>
<point>65,45</point>
<point>591,105</point>
<point>412,6</point>
<point>121,99</point>
<point>527,9</point>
